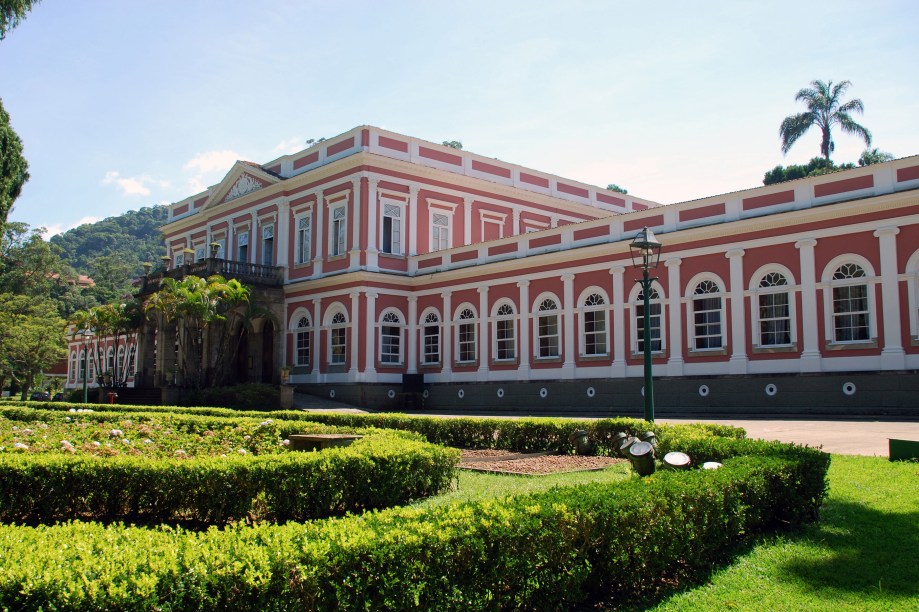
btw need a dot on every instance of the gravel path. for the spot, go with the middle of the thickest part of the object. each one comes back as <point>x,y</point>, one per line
<point>537,464</point>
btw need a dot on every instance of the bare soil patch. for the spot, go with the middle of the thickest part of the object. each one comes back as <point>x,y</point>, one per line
<point>532,464</point>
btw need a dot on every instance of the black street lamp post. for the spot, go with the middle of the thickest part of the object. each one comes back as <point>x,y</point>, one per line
<point>646,254</point>
<point>87,336</point>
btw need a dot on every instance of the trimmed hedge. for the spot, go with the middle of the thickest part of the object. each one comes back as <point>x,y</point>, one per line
<point>549,550</point>
<point>381,470</point>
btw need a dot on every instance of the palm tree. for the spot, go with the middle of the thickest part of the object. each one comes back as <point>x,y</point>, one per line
<point>824,110</point>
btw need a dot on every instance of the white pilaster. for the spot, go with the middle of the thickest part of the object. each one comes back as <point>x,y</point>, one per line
<point>353,372</point>
<point>893,357</point>
<point>738,362</point>
<point>412,365</point>
<point>355,252</point>
<point>447,335</point>
<point>523,330</point>
<point>255,238</point>
<point>810,353</point>
<point>370,325</point>
<point>373,211</point>
<point>618,300</point>
<point>282,236</point>
<point>320,234</point>
<point>467,220</point>
<point>413,220</point>
<point>568,323</point>
<point>317,341</point>
<point>515,229</point>
<point>674,291</point>
<point>483,333</point>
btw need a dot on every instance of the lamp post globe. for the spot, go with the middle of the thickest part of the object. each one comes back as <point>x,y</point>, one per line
<point>646,254</point>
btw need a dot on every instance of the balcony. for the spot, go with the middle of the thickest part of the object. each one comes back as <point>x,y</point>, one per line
<point>246,273</point>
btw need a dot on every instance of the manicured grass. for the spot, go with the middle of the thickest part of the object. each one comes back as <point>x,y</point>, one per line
<point>480,485</point>
<point>863,554</point>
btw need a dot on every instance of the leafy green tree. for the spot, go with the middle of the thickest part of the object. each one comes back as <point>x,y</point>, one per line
<point>453,144</point>
<point>13,166</point>
<point>874,156</point>
<point>617,188</point>
<point>112,278</point>
<point>824,110</point>
<point>32,339</point>
<point>12,12</point>
<point>815,167</point>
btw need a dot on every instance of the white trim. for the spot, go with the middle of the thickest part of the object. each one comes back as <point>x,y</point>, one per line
<point>755,291</point>
<point>632,305</point>
<point>581,309</point>
<point>495,319</point>
<point>536,314</point>
<point>401,326</point>
<point>827,285</point>
<point>689,294</point>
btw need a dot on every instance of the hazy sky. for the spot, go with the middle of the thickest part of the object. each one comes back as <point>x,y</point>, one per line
<point>126,103</point>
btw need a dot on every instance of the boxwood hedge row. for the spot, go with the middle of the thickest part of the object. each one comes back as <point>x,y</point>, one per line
<point>550,550</point>
<point>381,470</point>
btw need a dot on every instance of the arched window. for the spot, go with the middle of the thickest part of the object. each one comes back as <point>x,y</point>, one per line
<point>505,333</point>
<point>850,304</point>
<point>302,337</point>
<point>707,316</point>
<point>110,362</point>
<point>465,334</point>
<point>547,329</point>
<point>81,364</point>
<point>655,309</point>
<point>338,339</point>
<point>773,310</point>
<point>132,360</point>
<point>72,375</point>
<point>431,335</point>
<point>390,339</point>
<point>122,366</point>
<point>594,325</point>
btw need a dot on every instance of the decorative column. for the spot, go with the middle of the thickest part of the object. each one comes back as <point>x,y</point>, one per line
<point>523,331</point>
<point>893,357</point>
<point>372,213</point>
<point>282,236</point>
<point>738,361</point>
<point>413,220</point>
<point>467,220</point>
<point>370,370</point>
<point>810,355</point>
<point>447,358</point>
<point>483,333</point>
<point>255,238</point>
<point>317,344</point>
<point>355,309</point>
<point>618,299</point>
<point>568,324</point>
<point>515,230</point>
<point>674,291</point>
<point>355,253</point>
<point>320,234</point>
<point>412,365</point>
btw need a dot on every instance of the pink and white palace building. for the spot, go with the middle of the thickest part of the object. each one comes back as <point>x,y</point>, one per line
<point>395,264</point>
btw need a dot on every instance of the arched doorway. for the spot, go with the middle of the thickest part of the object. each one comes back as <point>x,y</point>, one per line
<point>268,352</point>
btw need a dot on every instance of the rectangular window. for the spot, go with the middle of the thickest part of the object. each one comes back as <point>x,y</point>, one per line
<point>268,245</point>
<point>392,229</point>
<point>707,321</point>
<point>440,232</point>
<point>303,348</point>
<point>242,247</point>
<point>304,238</point>
<point>547,333</point>
<point>655,326</point>
<point>199,253</point>
<point>389,344</point>
<point>466,342</point>
<point>594,332</point>
<point>339,223</point>
<point>850,313</point>
<point>180,259</point>
<point>338,346</point>
<point>505,337</point>
<point>431,343</point>
<point>774,319</point>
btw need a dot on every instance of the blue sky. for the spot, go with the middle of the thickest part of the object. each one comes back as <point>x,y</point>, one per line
<point>127,103</point>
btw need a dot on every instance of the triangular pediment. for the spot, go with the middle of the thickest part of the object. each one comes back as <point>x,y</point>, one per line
<point>242,179</point>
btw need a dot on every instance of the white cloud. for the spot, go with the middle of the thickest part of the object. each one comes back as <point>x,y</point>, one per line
<point>212,161</point>
<point>60,228</point>
<point>131,185</point>
<point>291,145</point>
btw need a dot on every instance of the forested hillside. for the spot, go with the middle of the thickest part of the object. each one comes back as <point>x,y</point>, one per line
<point>126,241</point>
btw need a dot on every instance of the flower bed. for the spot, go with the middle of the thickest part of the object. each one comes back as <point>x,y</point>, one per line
<point>203,469</point>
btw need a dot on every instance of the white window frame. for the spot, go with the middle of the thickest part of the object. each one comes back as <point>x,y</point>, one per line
<point>337,322</point>
<point>430,318</point>
<point>474,342</point>
<point>869,280</point>
<point>394,210</point>
<point>634,303</point>
<point>391,319</point>
<point>537,335</point>
<point>304,238</point>
<point>583,309</point>
<point>756,292</point>
<point>242,240</point>
<point>298,332</point>
<point>912,291</point>
<point>268,258</point>
<point>81,363</point>
<point>200,253</point>
<point>489,216</point>
<point>441,233</point>
<point>73,367</point>
<point>498,319</point>
<point>338,228</point>
<point>179,259</point>
<point>691,336</point>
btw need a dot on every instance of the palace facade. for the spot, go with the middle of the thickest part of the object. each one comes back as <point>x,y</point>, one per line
<point>393,264</point>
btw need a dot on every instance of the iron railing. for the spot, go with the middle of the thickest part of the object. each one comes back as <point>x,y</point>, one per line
<point>247,273</point>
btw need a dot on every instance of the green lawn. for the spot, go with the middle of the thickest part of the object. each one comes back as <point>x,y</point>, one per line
<point>863,554</point>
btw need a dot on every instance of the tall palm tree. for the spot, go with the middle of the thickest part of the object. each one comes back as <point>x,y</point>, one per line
<point>824,110</point>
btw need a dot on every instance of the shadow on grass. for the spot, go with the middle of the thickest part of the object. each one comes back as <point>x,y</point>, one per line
<point>866,551</point>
